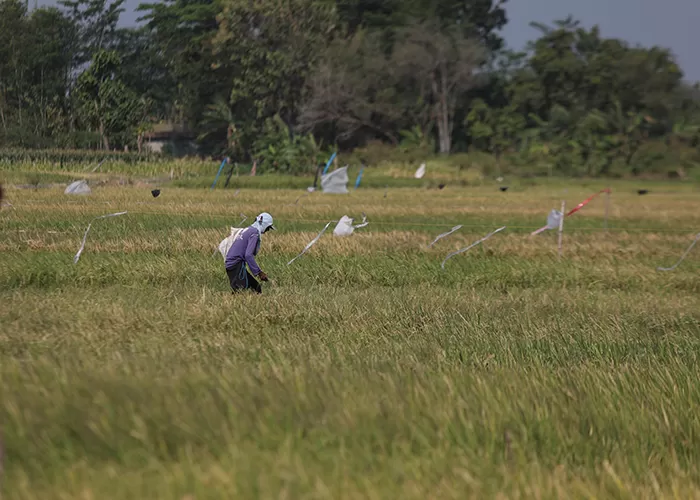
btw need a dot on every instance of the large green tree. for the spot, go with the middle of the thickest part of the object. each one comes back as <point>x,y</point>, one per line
<point>106,103</point>
<point>351,96</point>
<point>48,69</point>
<point>272,47</point>
<point>478,19</point>
<point>34,69</point>
<point>576,68</point>
<point>442,63</point>
<point>144,70</point>
<point>181,32</point>
<point>96,23</point>
<point>13,40</point>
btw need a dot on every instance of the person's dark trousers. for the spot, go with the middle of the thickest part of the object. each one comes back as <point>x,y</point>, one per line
<point>241,279</point>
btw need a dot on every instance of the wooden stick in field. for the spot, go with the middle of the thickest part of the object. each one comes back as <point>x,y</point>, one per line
<point>2,458</point>
<point>443,235</point>
<point>311,243</point>
<point>685,254</point>
<point>462,250</point>
<point>561,225</point>
<point>82,245</point>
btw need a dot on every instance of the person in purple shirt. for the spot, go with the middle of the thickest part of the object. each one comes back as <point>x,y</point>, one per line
<point>243,251</point>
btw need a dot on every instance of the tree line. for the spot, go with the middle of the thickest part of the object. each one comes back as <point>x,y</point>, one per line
<point>284,82</point>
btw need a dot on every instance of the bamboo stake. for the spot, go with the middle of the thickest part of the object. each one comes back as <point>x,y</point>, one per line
<point>561,225</point>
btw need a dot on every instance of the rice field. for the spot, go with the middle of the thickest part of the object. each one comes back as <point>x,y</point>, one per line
<point>364,370</point>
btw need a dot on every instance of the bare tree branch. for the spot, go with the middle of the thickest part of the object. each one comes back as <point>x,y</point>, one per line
<point>442,64</point>
<point>350,90</point>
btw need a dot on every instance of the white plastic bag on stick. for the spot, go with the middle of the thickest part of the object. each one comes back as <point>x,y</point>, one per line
<point>420,172</point>
<point>554,219</point>
<point>344,227</point>
<point>78,187</point>
<point>335,182</point>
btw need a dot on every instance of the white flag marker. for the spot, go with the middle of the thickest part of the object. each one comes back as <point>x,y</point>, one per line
<point>311,243</point>
<point>441,236</point>
<point>471,246</point>
<point>82,245</point>
<point>697,237</point>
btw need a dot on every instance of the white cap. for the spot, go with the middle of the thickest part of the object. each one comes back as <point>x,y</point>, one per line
<point>264,221</point>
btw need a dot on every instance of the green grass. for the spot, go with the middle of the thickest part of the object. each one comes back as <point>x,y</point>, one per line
<point>457,171</point>
<point>364,370</point>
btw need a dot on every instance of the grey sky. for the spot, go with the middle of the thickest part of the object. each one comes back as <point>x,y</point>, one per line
<point>667,23</point>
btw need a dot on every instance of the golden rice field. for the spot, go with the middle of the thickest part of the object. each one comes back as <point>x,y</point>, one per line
<point>364,370</point>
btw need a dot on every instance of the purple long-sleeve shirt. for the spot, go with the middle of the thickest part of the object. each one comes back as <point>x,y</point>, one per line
<point>245,248</point>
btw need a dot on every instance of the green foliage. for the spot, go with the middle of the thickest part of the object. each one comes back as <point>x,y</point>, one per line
<point>66,157</point>
<point>416,139</point>
<point>144,69</point>
<point>35,57</point>
<point>219,125</point>
<point>494,129</point>
<point>278,150</point>
<point>590,102</point>
<point>106,103</point>
<point>419,75</point>
<point>95,23</point>
<point>272,47</point>
<point>478,19</point>
<point>190,77</point>
<point>412,151</point>
<point>349,95</point>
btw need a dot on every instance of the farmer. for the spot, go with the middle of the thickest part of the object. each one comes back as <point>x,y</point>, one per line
<point>243,251</point>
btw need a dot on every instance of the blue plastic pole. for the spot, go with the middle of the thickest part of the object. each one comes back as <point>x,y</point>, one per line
<point>216,179</point>
<point>328,165</point>
<point>359,178</point>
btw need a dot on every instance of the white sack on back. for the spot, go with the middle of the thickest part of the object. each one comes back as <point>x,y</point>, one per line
<point>78,187</point>
<point>420,172</point>
<point>335,182</point>
<point>227,242</point>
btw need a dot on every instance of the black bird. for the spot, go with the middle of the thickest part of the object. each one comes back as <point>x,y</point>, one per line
<point>155,193</point>
<point>441,186</point>
<point>642,191</point>
<point>503,189</point>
